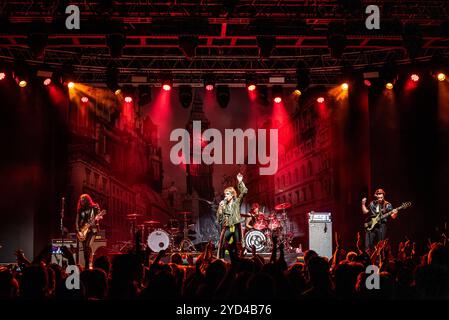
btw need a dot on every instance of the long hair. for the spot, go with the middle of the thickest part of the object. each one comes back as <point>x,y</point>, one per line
<point>88,202</point>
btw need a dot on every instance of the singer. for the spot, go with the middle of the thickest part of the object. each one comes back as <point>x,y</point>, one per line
<point>228,216</point>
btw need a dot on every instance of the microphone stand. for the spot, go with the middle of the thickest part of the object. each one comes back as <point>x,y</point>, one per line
<point>62,223</point>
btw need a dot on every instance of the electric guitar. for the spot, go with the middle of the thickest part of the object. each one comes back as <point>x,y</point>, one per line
<point>374,221</point>
<point>84,229</point>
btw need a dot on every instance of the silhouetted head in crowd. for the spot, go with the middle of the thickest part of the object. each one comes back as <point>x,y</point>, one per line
<point>96,284</point>
<point>261,286</point>
<point>351,256</point>
<point>9,287</point>
<point>176,258</point>
<point>318,269</point>
<point>439,256</point>
<point>346,275</point>
<point>102,262</point>
<point>34,282</point>
<point>215,272</point>
<point>309,254</point>
<point>161,286</point>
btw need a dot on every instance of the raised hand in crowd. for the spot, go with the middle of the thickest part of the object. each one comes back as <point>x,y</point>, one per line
<point>21,259</point>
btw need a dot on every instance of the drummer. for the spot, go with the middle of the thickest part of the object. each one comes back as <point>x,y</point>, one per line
<point>254,216</point>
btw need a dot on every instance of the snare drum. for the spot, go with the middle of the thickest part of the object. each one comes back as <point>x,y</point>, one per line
<point>158,240</point>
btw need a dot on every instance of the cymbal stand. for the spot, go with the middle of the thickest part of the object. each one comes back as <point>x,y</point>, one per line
<point>286,239</point>
<point>186,242</point>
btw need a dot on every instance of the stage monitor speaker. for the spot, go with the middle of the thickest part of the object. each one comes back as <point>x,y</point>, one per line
<point>56,250</point>
<point>320,233</point>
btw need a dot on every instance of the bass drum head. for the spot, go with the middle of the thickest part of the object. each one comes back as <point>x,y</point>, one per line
<point>158,240</point>
<point>255,238</point>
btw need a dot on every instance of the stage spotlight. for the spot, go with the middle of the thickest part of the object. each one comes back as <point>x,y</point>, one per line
<point>47,82</point>
<point>320,100</point>
<point>345,86</point>
<point>297,92</point>
<point>185,95</point>
<point>441,76</point>
<point>84,99</point>
<point>389,85</point>
<point>118,92</point>
<point>2,76</point>
<point>209,82</point>
<point>167,82</point>
<point>251,87</point>
<point>223,96</point>
<point>276,92</point>
<point>414,77</point>
<point>116,42</point>
<point>22,83</point>
<point>128,99</point>
<point>367,82</point>
<point>166,87</point>
<point>251,82</point>
<point>71,85</point>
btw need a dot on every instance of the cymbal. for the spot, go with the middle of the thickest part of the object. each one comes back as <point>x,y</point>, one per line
<point>283,206</point>
<point>133,215</point>
<point>151,222</point>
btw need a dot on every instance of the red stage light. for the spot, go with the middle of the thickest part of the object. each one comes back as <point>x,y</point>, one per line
<point>320,100</point>
<point>2,75</point>
<point>128,99</point>
<point>251,87</point>
<point>47,82</point>
<point>84,99</point>
<point>367,83</point>
<point>414,77</point>
<point>166,87</point>
<point>277,99</point>
<point>209,87</point>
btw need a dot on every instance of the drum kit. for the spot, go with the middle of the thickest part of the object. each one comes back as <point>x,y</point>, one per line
<point>261,234</point>
<point>175,236</point>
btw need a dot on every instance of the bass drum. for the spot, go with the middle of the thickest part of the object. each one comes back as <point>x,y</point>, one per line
<point>158,240</point>
<point>255,238</point>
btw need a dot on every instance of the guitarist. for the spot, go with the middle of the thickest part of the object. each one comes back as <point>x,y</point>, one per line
<point>378,206</point>
<point>87,210</point>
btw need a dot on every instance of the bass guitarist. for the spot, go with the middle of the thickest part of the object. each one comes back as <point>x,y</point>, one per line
<point>378,206</point>
<point>86,224</point>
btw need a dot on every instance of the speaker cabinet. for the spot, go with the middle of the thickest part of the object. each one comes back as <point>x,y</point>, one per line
<point>320,233</point>
<point>56,250</point>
